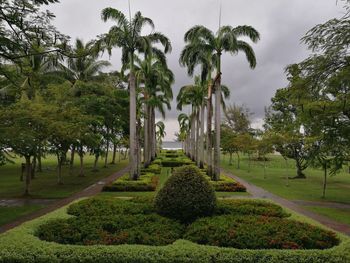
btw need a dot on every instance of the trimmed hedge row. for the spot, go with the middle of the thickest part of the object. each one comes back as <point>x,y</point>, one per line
<point>153,168</point>
<point>227,184</point>
<point>146,183</point>
<point>20,245</point>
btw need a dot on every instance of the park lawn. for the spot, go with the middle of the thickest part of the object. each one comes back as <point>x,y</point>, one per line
<point>310,189</point>
<point>9,214</point>
<point>340,215</point>
<point>45,184</point>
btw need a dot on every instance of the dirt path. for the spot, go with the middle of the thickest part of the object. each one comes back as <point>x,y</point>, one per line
<point>323,204</point>
<point>258,192</point>
<point>90,191</point>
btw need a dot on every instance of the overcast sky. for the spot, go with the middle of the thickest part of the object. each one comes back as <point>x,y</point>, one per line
<point>281,24</point>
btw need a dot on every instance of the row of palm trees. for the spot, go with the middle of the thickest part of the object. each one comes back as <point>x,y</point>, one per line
<point>204,49</point>
<point>149,79</point>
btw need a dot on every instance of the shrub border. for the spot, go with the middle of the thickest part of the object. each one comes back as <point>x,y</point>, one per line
<point>20,245</point>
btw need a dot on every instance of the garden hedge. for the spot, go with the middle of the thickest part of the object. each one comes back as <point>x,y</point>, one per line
<point>146,183</point>
<point>227,184</point>
<point>20,245</point>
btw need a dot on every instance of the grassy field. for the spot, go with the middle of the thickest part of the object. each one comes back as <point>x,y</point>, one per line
<point>338,187</point>
<point>45,186</point>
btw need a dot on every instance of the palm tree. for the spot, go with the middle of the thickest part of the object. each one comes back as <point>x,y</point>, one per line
<point>185,125</point>
<point>225,40</point>
<point>126,34</point>
<point>160,132</point>
<point>83,65</point>
<point>193,95</point>
<point>156,81</point>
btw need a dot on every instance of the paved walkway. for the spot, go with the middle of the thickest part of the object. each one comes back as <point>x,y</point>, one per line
<point>322,204</point>
<point>258,192</point>
<point>90,191</point>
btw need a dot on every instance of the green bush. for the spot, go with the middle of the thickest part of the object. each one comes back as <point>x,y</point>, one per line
<point>153,168</point>
<point>151,229</point>
<point>176,162</point>
<point>110,207</point>
<point>21,246</point>
<point>259,232</point>
<point>249,207</point>
<point>186,195</point>
<point>146,183</point>
<point>227,184</point>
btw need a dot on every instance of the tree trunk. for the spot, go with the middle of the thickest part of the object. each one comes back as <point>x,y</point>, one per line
<point>193,135</point>
<point>146,130</point>
<point>59,169</point>
<point>217,150</point>
<point>201,164</point>
<point>209,134</point>
<point>324,180</point>
<point>114,153</point>
<point>300,174</point>
<point>153,135</point>
<point>238,161</point>
<point>132,137</point>
<point>28,175</point>
<point>95,169</point>
<point>287,177</point>
<point>72,155</point>
<point>107,150</point>
<point>198,152</point>
<point>39,168</point>
<point>33,167</point>
<point>81,156</point>
<point>264,167</point>
<point>230,163</point>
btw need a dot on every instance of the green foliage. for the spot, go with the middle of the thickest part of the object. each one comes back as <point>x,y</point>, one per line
<point>146,182</point>
<point>153,168</point>
<point>20,245</point>
<point>111,222</point>
<point>250,207</point>
<point>256,232</point>
<point>186,195</point>
<point>227,184</point>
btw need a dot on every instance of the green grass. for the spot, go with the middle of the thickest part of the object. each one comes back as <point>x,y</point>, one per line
<point>340,215</point>
<point>45,184</point>
<point>338,188</point>
<point>9,214</point>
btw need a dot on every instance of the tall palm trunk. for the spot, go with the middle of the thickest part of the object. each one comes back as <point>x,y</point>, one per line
<point>193,136</point>
<point>71,162</point>
<point>217,123</point>
<point>209,131</point>
<point>197,138</point>
<point>154,142</point>
<point>201,163</point>
<point>114,153</point>
<point>145,137</point>
<point>132,139</point>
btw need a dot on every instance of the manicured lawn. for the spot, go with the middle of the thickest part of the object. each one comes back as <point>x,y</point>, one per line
<point>340,215</point>
<point>8,214</point>
<point>338,188</point>
<point>45,184</point>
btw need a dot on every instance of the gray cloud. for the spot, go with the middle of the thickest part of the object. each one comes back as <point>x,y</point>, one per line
<point>281,23</point>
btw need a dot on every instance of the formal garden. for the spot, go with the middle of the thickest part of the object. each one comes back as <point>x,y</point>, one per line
<point>85,175</point>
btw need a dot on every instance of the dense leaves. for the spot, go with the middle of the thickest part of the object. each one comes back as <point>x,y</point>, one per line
<point>259,232</point>
<point>186,195</point>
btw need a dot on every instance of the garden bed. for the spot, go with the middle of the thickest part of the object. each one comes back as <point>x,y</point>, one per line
<point>227,184</point>
<point>146,183</point>
<point>22,245</point>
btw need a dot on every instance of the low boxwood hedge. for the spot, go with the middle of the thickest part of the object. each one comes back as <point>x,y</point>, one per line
<point>21,245</point>
<point>146,183</point>
<point>227,184</point>
<point>153,168</point>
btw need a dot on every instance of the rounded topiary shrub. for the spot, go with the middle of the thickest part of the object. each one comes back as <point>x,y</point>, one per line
<point>186,195</point>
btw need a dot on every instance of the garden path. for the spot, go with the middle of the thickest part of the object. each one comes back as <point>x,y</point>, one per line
<point>258,192</point>
<point>87,192</point>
